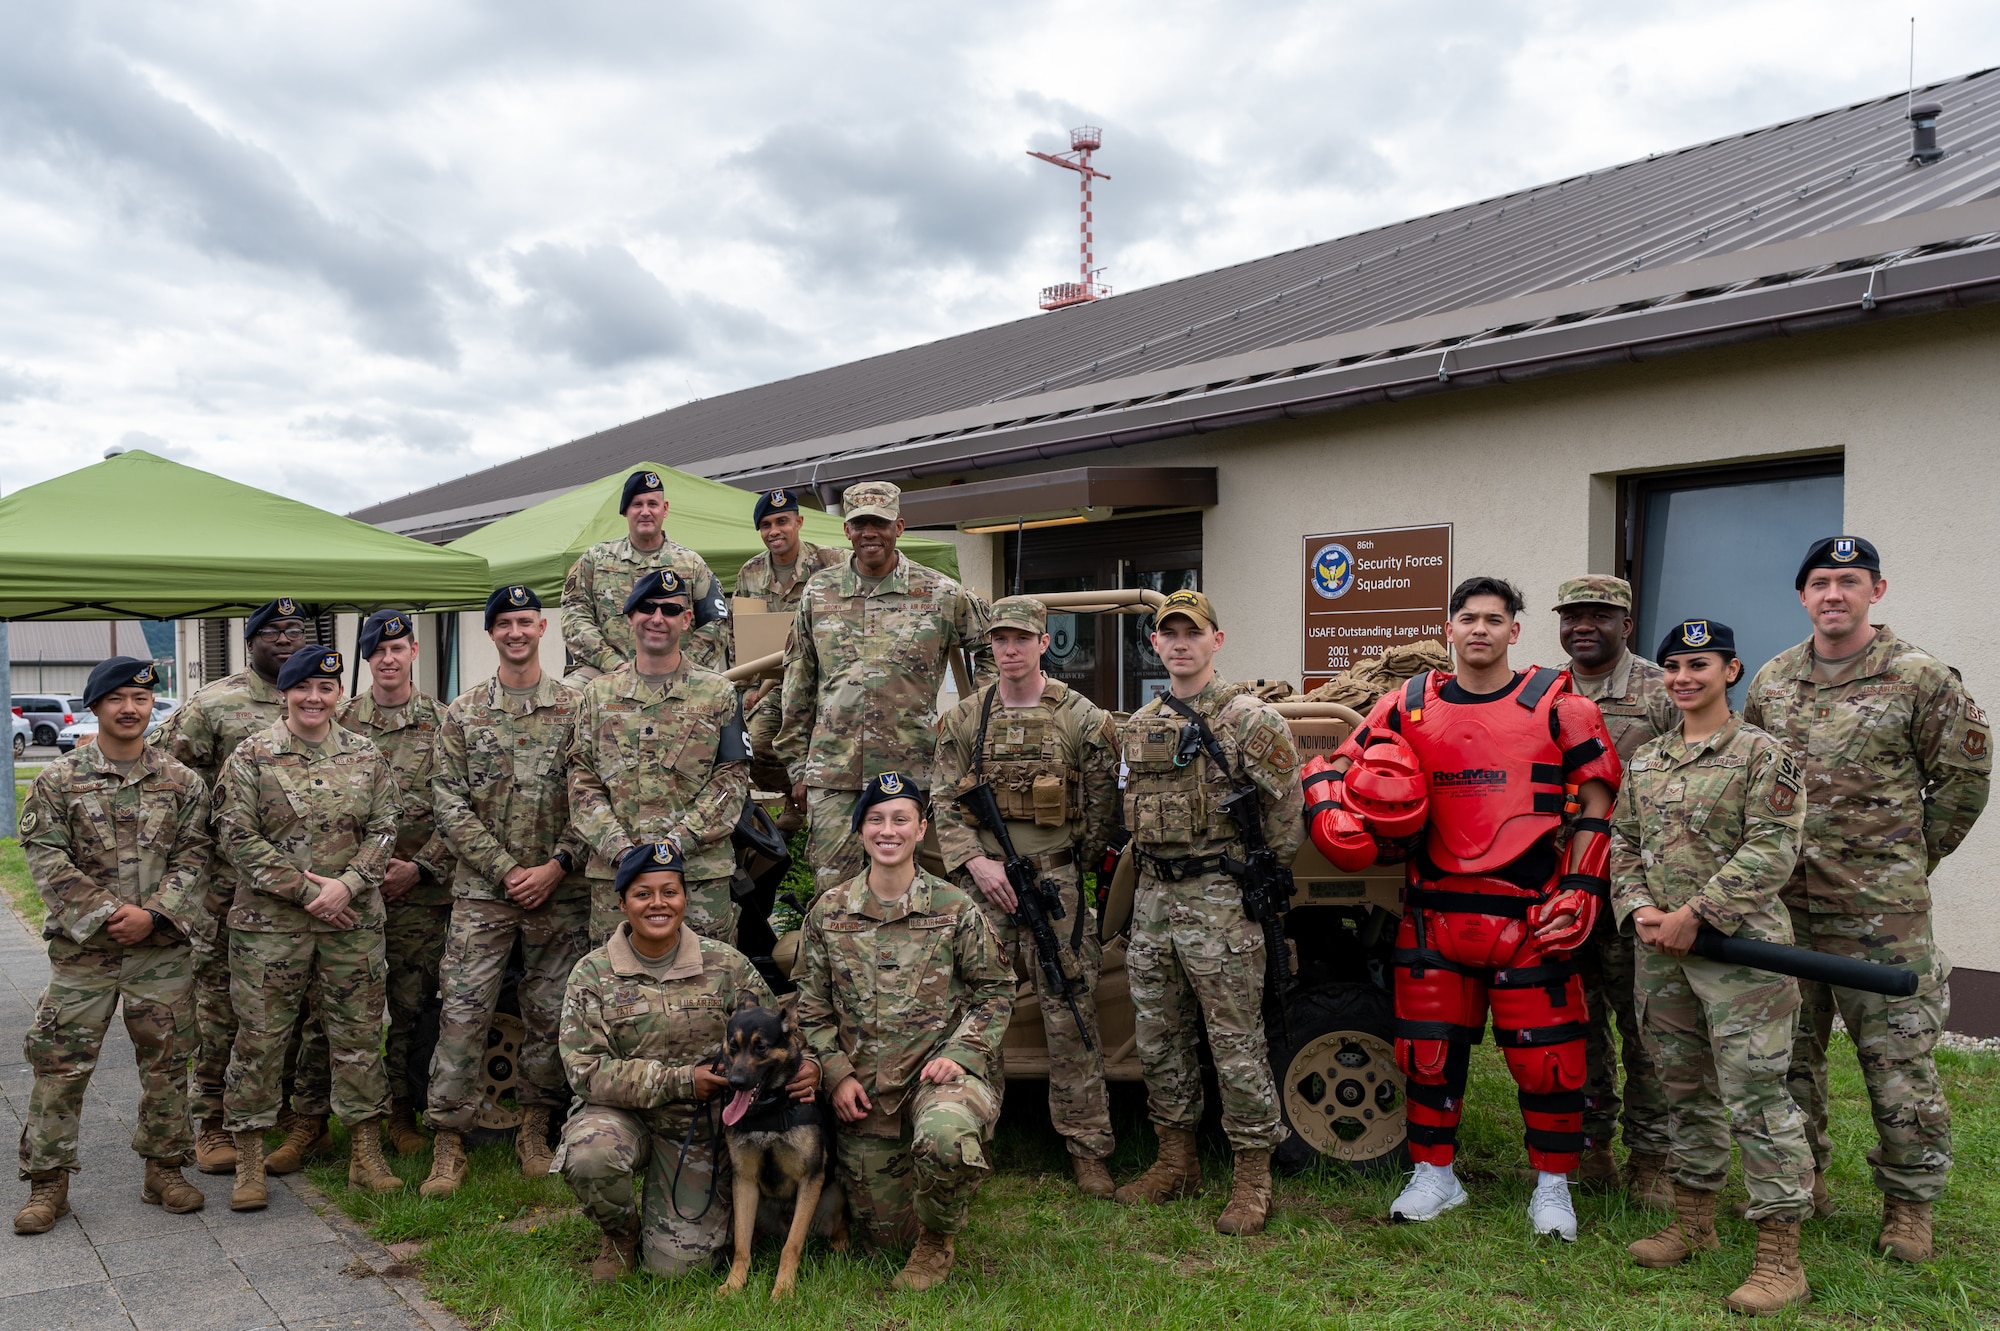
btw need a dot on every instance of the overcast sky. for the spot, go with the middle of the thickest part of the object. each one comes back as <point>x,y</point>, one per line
<point>346,251</point>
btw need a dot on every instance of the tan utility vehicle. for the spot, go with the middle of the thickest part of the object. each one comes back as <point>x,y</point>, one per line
<point>1338,1084</point>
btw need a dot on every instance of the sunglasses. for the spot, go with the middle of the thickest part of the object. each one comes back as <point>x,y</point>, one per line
<point>669,608</point>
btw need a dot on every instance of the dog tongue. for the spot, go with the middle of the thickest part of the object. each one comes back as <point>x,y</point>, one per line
<point>739,1105</point>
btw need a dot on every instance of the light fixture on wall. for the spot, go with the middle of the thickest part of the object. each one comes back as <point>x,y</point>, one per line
<point>1065,517</point>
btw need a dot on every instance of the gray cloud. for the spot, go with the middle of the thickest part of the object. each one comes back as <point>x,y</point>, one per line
<point>423,431</point>
<point>18,385</point>
<point>598,305</point>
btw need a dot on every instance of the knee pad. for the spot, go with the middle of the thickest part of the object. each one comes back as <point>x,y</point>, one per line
<point>1551,1070</point>
<point>1423,1060</point>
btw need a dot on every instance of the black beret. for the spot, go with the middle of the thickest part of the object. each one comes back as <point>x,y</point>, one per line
<point>311,661</point>
<point>120,672</point>
<point>662,584</point>
<point>647,857</point>
<point>1697,635</point>
<point>880,790</point>
<point>282,608</point>
<point>515,597</point>
<point>774,501</point>
<point>638,483</point>
<point>1839,552</point>
<point>382,626</point>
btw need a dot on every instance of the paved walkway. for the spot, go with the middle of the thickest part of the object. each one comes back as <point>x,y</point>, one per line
<point>116,1262</point>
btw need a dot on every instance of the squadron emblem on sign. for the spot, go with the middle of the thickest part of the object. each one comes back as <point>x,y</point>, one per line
<point>1333,571</point>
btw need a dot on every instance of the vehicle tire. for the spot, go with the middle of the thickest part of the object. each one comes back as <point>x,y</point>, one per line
<point>1339,1088</point>
<point>45,735</point>
<point>20,746</point>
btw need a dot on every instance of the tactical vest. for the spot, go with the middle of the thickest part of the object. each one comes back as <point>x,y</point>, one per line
<point>1170,806</point>
<point>1022,755</point>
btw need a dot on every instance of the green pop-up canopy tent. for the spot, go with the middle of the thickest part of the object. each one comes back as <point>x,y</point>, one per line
<point>537,545</point>
<point>138,536</point>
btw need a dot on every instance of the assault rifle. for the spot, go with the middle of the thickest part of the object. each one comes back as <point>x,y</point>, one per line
<point>1266,884</point>
<point>1037,900</point>
<point>1805,964</point>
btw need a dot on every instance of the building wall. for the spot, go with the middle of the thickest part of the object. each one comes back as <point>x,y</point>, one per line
<point>477,660</point>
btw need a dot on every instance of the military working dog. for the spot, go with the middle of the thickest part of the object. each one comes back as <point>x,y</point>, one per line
<point>780,1149</point>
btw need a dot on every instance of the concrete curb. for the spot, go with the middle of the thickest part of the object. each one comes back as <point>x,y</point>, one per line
<point>391,1271</point>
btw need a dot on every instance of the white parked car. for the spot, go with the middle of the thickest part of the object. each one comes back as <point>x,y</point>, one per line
<point>24,735</point>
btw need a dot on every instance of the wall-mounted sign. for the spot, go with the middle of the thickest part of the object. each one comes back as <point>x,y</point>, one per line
<point>1368,591</point>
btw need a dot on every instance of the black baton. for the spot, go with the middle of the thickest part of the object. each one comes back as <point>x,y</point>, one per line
<point>1805,964</point>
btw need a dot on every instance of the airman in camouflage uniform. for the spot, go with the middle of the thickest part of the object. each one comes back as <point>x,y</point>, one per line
<point>886,988</point>
<point>293,814</point>
<point>595,632</point>
<point>1898,764</point>
<point>868,653</point>
<point>501,799</point>
<point>201,732</point>
<point>1194,959</point>
<point>1053,766</point>
<point>779,587</point>
<point>1596,619</point>
<point>657,757</point>
<point>126,842</point>
<point>419,911</point>
<point>634,1032</point>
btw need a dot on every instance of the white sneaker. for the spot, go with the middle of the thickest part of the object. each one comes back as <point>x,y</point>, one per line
<point>1549,1210</point>
<point>1433,1190</point>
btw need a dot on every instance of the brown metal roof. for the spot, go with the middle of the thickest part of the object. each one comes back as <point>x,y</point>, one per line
<point>1821,174</point>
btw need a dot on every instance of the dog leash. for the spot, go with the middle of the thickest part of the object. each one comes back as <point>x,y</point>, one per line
<point>709,1111</point>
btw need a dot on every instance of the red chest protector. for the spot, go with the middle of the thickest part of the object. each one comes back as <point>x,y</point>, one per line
<point>1495,769</point>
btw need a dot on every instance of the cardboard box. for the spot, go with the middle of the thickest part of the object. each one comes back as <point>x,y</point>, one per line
<point>758,632</point>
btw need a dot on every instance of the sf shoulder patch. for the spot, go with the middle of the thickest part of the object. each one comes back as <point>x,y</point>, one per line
<point>1787,786</point>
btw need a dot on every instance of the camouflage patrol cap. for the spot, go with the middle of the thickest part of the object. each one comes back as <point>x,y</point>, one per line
<point>1595,589</point>
<point>1019,612</point>
<point>871,499</point>
<point>1189,605</point>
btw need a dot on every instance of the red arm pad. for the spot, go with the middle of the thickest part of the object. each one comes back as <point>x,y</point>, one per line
<point>1337,833</point>
<point>1588,754</point>
<point>1583,887</point>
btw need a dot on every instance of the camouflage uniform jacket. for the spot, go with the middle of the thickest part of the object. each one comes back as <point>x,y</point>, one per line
<point>1717,823</point>
<point>1065,737</point>
<point>594,627</point>
<point>758,578</point>
<point>649,761</point>
<point>1634,703</point>
<point>1898,762</point>
<point>863,670</point>
<point>97,840</point>
<point>886,987</point>
<point>408,738</point>
<point>1176,812</point>
<point>206,729</point>
<point>501,794</point>
<point>283,806</point>
<point>632,1041</point>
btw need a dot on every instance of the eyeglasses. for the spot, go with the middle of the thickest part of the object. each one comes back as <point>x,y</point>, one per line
<point>290,633</point>
<point>669,608</point>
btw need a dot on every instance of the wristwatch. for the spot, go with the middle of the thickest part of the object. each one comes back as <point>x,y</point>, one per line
<point>562,857</point>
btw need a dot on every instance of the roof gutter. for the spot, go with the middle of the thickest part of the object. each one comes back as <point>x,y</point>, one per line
<point>1917,285</point>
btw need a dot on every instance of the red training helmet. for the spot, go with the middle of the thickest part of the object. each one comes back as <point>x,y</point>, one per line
<point>1386,787</point>
<point>1337,832</point>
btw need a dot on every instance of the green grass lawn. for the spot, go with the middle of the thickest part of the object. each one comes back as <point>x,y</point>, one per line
<point>20,888</point>
<point>507,1253</point>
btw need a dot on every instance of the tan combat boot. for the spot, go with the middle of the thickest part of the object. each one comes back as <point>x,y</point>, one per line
<point>1692,1231</point>
<point>1598,1170</point>
<point>48,1202</point>
<point>1777,1281</point>
<point>214,1149</point>
<point>365,1166</point>
<point>1649,1181</point>
<point>1906,1230</point>
<point>249,1194</point>
<point>405,1137</point>
<point>1822,1199</point>
<point>1176,1173</point>
<point>1092,1178</point>
<point>929,1264</point>
<point>1249,1195</point>
<point>165,1187</point>
<point>302,1137</point>
<point>531,1142</point>
<point>447,1164</point>
<point>617,1254</point>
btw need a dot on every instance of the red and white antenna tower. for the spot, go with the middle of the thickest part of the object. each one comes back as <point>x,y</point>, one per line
<point>1083,141</point>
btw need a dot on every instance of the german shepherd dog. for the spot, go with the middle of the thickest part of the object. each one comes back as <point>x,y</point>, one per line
<point>780,1149</point>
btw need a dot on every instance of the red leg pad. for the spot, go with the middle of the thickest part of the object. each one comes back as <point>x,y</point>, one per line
<point>1550,1075</point>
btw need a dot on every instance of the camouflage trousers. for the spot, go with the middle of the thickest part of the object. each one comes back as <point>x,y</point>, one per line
<point>214,1024</point>
<point>711,911</point>
<point>1721,1036</point>
<point>342,974</point>
<point>762,721</point>
<point>1607,964</point>
<point>1893,1039</point>
<point>554,938</point>
<point>1079,1107</point>
<point>415,940</point>
<point>86,982</point>
<point>831,848</point>
<point>919,1166</point>
<point>603,1156</point>
<point>1194,960</point>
